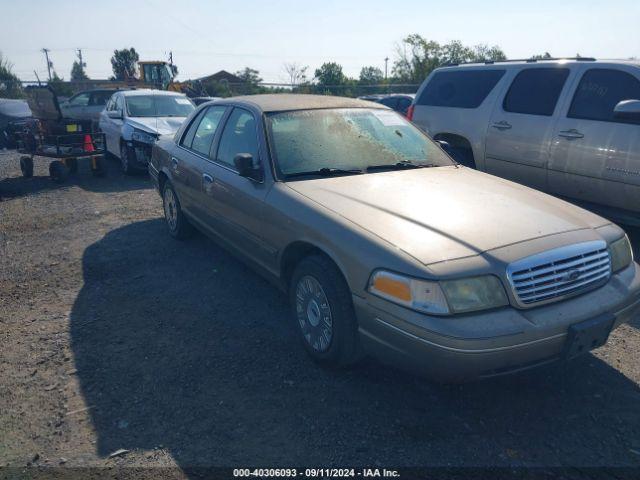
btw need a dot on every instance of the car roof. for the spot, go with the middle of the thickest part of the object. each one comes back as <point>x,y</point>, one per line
<point>543,61</point>
<point>284,102</point>
<point>148,91</point>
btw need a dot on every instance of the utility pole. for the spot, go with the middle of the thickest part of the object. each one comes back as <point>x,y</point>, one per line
<point>46,55</point>
<point>386,62</point>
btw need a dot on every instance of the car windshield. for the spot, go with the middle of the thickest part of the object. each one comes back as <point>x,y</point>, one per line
<point>350,140</point>
<point>158,106</point>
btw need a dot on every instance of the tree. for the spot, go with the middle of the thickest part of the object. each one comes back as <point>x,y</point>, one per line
<point>371,76</point>
<point>250,80</point>
<point>124,63</point>
<point>10,85</point>
<point>297,74</point>
<point>77,71</point>
<point>417,57</point>
<point>544,56</point>
<point>456,52</point>
<point>485,53</point>
<point>330,74</point>
<point>249,75</point>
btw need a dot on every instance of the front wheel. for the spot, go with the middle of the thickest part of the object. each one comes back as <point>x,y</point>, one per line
<point>125,160</point>
<point>179,226</point>
<point>323,311</point>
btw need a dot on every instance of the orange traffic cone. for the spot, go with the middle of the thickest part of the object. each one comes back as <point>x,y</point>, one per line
<point>88,144</point>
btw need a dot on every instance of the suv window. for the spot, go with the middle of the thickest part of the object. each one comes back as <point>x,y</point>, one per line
<point>599,91</point>
<point>203,137</point>
<point>535,91</point>
<point>239,136</point>
<point>459,88</point>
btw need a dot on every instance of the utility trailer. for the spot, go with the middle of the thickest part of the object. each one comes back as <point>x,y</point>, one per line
<point>50,135</point>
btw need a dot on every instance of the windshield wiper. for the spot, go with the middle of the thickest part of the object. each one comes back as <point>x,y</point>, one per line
<point>399,166</point>
<point>326,172</point>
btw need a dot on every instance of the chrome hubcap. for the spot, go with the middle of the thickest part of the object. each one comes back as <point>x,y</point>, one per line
<point>170,209</point>
<point>314,314</point>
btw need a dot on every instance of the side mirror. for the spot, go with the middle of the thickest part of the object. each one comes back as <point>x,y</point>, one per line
<point>246,168</point>
<point>628,110</point>
<point>117,114</point>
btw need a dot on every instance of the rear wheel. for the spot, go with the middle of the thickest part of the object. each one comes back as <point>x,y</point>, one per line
<point>26,167</point>
<point>178,225</point>
<point>58,171</point>
<point>323,311</point>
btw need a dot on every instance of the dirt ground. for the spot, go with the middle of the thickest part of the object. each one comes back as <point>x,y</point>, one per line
<point>115,336</point>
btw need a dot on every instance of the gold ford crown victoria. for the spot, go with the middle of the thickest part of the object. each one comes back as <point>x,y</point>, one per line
<point>386,246</point>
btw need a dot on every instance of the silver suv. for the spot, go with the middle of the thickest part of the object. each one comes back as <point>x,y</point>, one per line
<point>568,127</point>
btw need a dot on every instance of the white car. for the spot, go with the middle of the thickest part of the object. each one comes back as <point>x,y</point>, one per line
<point>568,127</point>
<point>134,119</point>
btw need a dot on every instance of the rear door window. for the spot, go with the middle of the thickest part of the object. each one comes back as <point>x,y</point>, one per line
<point>535,91</point>
<point>459,88</point>
<point>599,91</point>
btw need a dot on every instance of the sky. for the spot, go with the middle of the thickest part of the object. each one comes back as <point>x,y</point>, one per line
<point>208,36</point>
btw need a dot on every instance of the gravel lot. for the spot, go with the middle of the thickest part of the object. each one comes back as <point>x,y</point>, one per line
<point>115,336</point>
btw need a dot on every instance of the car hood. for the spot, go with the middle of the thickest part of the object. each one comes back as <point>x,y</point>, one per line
<point>444,213</point>
<point>157,125</point>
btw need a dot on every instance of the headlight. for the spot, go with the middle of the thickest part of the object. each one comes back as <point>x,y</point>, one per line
<point>420,295</point>
<point>144,137</point>
<point>621,254</point>
<point>441,298</point>
<point>476,293</point>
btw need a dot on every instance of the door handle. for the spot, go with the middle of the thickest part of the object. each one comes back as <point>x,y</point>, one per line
<point>207,178</point>
<point>503,125</point>
<point>174,164</point>
<point>570,134</point>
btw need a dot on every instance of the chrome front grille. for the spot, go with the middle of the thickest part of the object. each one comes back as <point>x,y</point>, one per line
<point>558,273</point>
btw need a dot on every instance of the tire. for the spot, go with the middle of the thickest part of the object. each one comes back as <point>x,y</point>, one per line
<point>101,167</point>
<point>324,318</point>
<point>26,167</point>
<point>125,160</point>
<point>58,171</point>
<point>178,225</point>
<point>72,165</point>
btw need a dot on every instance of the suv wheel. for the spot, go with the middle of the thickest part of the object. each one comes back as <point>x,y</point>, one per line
<point>323,312</point>
<point>179,226</point>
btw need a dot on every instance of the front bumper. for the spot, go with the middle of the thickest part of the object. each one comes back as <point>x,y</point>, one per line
<point>139,154</point>
<point>492,342</point>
